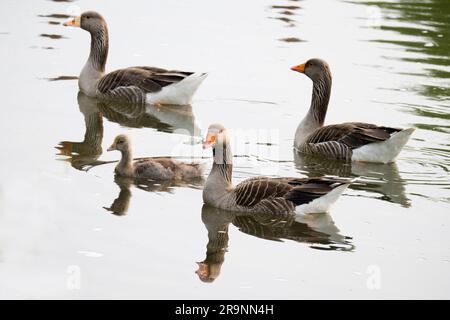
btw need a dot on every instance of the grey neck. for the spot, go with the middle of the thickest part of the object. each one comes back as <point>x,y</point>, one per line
<point>223,163</point>
<point>315,117</point>
<point>320,98</point>
<point>218,186</point>
<point>99,48</point>
<point>94,69</point>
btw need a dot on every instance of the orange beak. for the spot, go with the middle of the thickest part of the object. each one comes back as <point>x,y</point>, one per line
<point>300,68</point>
<point>209,141</point>
<point>75,22</point>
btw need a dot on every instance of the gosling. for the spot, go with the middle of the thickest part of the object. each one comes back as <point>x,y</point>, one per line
<point>154,168</point>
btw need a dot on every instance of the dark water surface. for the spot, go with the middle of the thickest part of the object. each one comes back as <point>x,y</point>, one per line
<point>70,229</point>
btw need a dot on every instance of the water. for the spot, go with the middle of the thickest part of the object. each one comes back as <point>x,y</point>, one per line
<point>387,237</point>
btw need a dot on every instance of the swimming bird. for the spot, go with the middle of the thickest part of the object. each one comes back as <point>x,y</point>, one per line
<point>283,196</point>
<point>351,141</point>
<point>151,168</point>
<point>134,84</point>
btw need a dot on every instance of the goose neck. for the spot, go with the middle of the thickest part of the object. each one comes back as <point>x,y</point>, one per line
<point>99,48</point>
<point>125,163</point>
<point>320,98</point>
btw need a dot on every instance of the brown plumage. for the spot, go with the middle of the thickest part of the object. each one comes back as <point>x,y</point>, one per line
<point>352,134</point>
<point>282,195</point>
<point>146,79</point>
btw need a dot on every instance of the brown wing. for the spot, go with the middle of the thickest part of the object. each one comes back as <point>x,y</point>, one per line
<point>129,77</point>
<point>309,189</point>
<point>165,77</point>
<point>297,190</point>
<point>147,79</point>
<point>250,192</point>
<point>351,134</point>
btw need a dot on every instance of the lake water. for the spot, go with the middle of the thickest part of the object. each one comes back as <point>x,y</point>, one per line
<point>388,236</point>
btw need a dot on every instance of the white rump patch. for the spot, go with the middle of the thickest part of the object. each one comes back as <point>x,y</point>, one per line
<point>322,204</point>
<point>179,93</point>
<point>383,152</point>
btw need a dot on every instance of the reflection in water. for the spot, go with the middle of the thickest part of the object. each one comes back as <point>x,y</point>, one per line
<point>61,78</point>
<point>120,205</point>
<point>425,34</point>
<point>52,36</point>
<point>317,230</point>
<point>414,43</point>
<point>83,155</point>
<point>382,179</point>
<point>86,152</point>
<point>55,16</point>
<point>164,118</point>
<point>286,13</point>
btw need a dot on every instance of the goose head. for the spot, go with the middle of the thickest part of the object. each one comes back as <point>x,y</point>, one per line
<point>121,143</point>
<point>90,21</point>
<point>216,136</point>
<point>315,69</point>
<point>217,139</point>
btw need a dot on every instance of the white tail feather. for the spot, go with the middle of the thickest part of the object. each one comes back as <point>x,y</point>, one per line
<point>322,204</point>
<point>383,152</point>
<point>179,93</point>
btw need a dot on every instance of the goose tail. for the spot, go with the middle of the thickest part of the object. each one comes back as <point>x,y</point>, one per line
<point>386,151</point>
<point>324,203</point>
<point>179,93</point>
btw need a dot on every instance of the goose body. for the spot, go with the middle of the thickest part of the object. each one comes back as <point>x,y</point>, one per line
<point>155,168</point>
<point>352,141</point>
<point>282,196</point>
<point>139,84</point>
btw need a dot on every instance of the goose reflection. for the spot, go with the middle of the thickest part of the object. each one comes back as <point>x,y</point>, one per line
<point>120,205</point>
<point>84,155</point>
<point>316,230</point>
<point>89,150</point>
<point>381,179</point>
<point>165,118</point>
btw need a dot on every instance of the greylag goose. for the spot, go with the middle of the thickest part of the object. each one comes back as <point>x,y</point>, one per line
<point>353,141</point>
<point>285,196</point>
<point>151,168</point>
<point>133,84</point>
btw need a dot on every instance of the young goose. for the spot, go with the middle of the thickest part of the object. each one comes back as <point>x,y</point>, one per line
<point>284,196</point>
<point>134,84</point>
<point>154,169</point>
<point>353,141</point>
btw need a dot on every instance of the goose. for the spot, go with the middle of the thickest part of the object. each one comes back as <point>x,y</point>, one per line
<point>351,141</point>
<point>283,196</point>
<point>154,168</point>
<point>135,85</point>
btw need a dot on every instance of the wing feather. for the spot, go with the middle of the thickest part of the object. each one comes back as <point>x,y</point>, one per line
<point>351,134</point>
<point>250,192</point>
<point>144,79</point>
